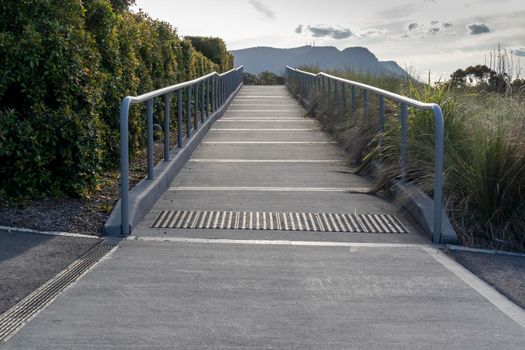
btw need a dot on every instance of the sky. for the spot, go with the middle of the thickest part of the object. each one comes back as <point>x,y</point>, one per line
<point>436,36</point>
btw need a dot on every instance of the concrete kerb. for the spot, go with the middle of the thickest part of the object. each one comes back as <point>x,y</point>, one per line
<point>413,200</point>
<point>146,193</point>
<point>421,208</point>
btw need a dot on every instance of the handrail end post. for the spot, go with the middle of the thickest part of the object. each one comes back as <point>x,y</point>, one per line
<point>438,176</point>
<point>124,166</point>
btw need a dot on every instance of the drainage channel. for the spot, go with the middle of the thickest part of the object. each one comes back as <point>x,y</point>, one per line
<point>16,317</point>
<point>244,220</point>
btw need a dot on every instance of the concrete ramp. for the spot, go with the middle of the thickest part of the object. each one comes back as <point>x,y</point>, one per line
<point>197,282</point>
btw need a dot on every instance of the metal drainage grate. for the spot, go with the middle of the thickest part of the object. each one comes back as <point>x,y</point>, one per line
<point>242,220</point>
<point>14,318</point>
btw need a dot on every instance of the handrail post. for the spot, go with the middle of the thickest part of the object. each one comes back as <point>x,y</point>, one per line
<point>167,127</point>
<point>179,118</point>
<point>124,167</point>
<point>343,95</point>
<point>207,97</point>
<point>365,103</point>
<point>438,172</point>
<point>354,106</point>
<point>149,112</point>
<point>404,141</point>
<point>202,101</point>
<point>196,108</point>
<point>336,92</point>
<point>188,111</point>
<point>381,118</point>
<point>213,94</point>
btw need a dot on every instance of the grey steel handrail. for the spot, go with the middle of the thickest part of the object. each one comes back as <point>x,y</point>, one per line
<point>322,82</point>
<point>215,89</point>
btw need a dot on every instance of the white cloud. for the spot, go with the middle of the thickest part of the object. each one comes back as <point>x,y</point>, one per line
<point>262,9</point>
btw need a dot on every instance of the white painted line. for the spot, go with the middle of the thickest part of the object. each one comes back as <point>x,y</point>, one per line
<point>227,120</point>
<point>276,242</point>
<point>267,118</point>
<point>262,96</point>
<point>261,129</point>
<point>363,190</point>
<point>247,104</point>
<point>488,292</point>
<point>269,142</point>
<point>204,160</point>
<point>51,233</point>
<point>261,111</point>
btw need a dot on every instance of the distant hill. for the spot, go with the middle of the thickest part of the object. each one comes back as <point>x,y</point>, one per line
<point>258,59</point>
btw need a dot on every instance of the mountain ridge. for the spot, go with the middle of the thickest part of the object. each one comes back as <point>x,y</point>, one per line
<point>357,58</point>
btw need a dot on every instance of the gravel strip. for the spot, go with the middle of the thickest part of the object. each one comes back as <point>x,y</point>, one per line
<point>506,273</point>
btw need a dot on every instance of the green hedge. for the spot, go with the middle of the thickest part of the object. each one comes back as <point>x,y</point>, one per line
<point>64,67</point>
<point>213,48</point>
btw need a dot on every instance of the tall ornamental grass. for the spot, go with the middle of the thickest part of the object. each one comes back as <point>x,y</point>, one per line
<point>484,155</point>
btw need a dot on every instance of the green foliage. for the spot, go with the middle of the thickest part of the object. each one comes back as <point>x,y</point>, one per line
<point>48,96</point>
<point>264,78</point>
<point>484,155</point>
<point>64,67</point>
<point>484,78</point>
<point>213,48</point>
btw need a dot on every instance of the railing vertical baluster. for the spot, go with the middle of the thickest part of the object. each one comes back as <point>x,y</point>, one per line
<point>354,105</point>
<point>196,108</point>
<point>381,118</point>
<point>329,85</point>
<point>336,92</point>
<point>324,84</point>
<point>202,101</point>
<point>220,91</point>
<point>167,98</point>
<point>213,91</point>
<point>179,118</point>
<point>188,111</point>
<point>207,98</point>
<point>365,103</point>
<point>404,141</point>
<point>343,95</point>
<point>149,112</point>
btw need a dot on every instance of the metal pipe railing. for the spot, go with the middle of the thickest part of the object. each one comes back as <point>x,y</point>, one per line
<point>307,80</point>
<point>219,86</point>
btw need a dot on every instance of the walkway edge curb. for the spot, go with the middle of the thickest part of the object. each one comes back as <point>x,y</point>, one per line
<point>146,193</point>
<point>516,313</point>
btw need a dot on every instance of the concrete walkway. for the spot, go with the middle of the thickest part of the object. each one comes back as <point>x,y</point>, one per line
<point>248,289</point>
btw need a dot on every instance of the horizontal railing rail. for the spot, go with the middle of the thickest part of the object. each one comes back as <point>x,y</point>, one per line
<point>322,83</point>
<point>203,97</point>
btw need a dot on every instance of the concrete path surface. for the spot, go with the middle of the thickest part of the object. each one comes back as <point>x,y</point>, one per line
<point>169,288</point>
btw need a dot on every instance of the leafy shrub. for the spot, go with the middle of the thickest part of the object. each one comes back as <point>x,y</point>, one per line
<point>263,78</point>
<point>48,96</point>
<point>64,67</point>
<point>213,48</point>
